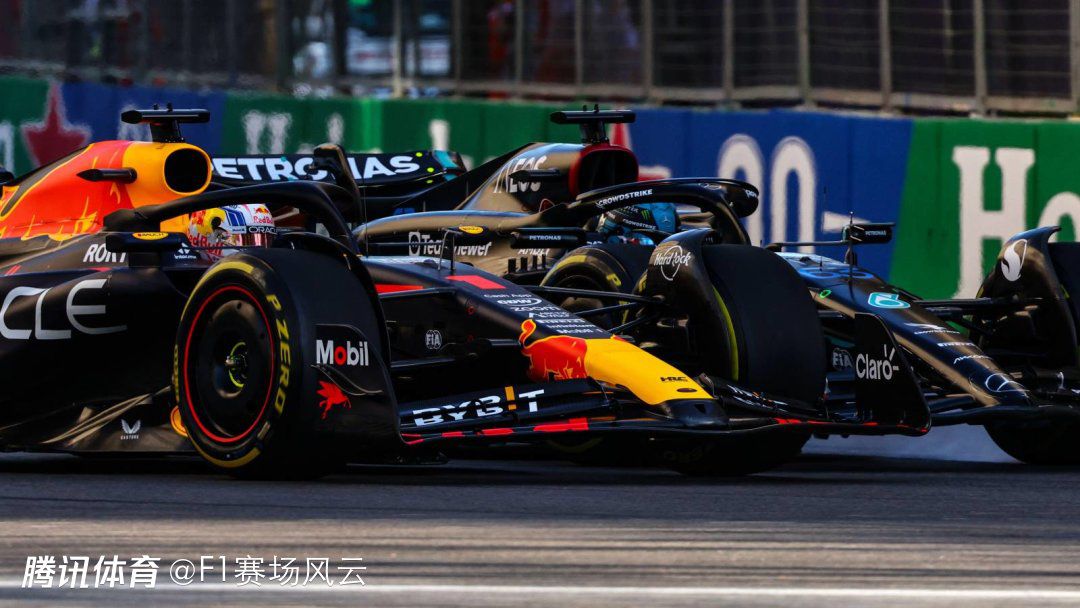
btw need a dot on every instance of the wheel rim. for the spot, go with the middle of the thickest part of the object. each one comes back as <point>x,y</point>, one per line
<point>581,304</point>
<point>228,365</point>
<point>236,364</point>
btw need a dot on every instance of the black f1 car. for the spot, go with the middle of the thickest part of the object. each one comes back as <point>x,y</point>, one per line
<point>1007,359</point>
<point>117,334</point>
<point>709,303</point>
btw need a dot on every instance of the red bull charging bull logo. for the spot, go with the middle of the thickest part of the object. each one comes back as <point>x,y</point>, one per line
<point>554,357</point>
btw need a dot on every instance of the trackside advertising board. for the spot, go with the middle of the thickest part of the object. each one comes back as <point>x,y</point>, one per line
<point>956,187</point>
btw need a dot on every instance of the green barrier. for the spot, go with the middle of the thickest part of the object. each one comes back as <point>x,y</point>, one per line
<point>416,124</point>
<point>260,124</point>
<point>479,130</point>
<point>1057,180</point>
<point>922,228</point>
<point>985,182</point>
<point>970,185</point>
<point>21,115</point>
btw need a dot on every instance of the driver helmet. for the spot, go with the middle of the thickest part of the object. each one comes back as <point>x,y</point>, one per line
<point>223,230</point>
<point>625,222</point>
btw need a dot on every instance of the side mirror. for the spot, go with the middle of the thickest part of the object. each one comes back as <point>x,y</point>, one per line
<point>868,234</point>
<point>741,196</point>
<point>144,242</point>
<point>144,248</point>
<point>331,157</point>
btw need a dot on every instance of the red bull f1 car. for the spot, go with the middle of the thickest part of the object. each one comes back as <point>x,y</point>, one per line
<point>297,350</point>
<point>707,302</point>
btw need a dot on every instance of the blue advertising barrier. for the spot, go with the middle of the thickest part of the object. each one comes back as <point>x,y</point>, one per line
<point>813,169</point>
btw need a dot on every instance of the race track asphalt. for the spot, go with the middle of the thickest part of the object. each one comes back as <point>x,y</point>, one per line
<point>826,530</point>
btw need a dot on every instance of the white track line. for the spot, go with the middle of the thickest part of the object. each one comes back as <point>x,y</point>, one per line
<point>545,590</point>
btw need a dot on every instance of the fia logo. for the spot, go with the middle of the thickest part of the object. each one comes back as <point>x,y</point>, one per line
<point>433,339</point>
<point>841,359</point>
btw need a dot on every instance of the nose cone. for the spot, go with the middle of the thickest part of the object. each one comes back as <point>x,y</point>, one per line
<point>698,412</point>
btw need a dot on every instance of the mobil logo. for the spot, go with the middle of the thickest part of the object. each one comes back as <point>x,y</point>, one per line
<point>342,353</point>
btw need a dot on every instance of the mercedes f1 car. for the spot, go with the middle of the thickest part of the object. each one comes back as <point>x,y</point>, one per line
<point>1007,359</point>
<point>294,351</point>
<point>707,302</point>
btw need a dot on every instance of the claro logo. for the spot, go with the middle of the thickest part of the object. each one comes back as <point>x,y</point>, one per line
<point>76,314</point>
<point>869,368</point>
<point>347,354</point>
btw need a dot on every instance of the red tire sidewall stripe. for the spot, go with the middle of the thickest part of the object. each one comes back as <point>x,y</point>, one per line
<point>187,349</point>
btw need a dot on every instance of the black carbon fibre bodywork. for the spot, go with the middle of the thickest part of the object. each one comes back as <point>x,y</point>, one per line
<point>88,327</point>
<point>1009,353</point>
<point>967,375</point>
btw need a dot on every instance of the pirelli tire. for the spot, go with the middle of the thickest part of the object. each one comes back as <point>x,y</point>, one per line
<point>770,332</point>
<point>614,267</point>
<point>244,363</point>
<point>1041,442</point>
<point>1053,442</point>
<point>731,456</point>
<point>769,339</point>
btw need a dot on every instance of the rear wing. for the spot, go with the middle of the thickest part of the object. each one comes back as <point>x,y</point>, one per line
<point>418,168</point>
<point>725,200</point>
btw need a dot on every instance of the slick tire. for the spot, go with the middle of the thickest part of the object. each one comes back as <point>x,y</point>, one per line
<point>730,456</point>
<point>1042,442</point>
<point>1047,442</point>
<point>1066,260</point>
<point>770,340</point>
<point>611,267</point>
<point>621,452</point>
<point>243,363</point>
<point>771,334</point>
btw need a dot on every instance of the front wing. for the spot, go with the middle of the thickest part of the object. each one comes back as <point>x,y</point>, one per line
<point>527,412</point>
